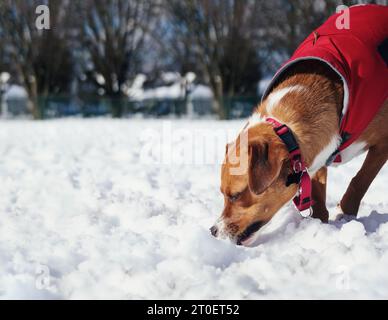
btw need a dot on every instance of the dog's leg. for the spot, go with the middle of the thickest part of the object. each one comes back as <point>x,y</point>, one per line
<point>319,195</point>
<point>375,160</point>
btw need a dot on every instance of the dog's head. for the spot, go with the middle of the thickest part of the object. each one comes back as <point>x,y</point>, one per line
<point>253,183</point>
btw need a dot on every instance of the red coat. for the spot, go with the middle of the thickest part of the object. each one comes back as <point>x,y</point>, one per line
<point>360,56</point>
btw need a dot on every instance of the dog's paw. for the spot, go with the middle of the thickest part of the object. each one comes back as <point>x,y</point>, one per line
<point>338,213</point>
<point>342,217</point>
<point>338,210</point>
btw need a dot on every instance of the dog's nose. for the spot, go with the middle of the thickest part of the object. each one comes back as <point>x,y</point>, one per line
<point>214,231</point>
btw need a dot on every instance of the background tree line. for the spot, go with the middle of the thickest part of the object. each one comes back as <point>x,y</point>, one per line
<point>103,44</point>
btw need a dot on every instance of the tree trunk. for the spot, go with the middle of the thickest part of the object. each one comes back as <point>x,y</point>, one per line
<point>34,108</point>
<point>33,103</point>
<point>116,105</point>
<point>218,101</point>
<point>218,105</point>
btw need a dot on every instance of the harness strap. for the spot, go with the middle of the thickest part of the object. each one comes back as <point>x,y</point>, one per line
<point>303,200</point>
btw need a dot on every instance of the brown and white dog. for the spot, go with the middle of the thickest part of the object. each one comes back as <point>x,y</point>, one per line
<point>308,98</point>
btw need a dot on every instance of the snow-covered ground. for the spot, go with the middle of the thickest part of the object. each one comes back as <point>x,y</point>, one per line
<point>95,209</point>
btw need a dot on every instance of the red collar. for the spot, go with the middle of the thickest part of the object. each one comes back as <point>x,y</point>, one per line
<point>299,175</point>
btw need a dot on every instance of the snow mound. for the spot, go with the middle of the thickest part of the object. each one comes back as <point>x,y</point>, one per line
<point>83,216</point>
<point>15,92</point>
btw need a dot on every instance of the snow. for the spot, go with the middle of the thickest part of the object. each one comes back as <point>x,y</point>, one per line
<point>171,77</point>
<point>4,77</point>
<point>201,92</point>
<point>95,209</point>
<point>175,90</point>
<point>136,91</point>
<point>15,92</point>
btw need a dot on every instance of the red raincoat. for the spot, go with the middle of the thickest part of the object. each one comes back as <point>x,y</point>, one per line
<point>360,56</point>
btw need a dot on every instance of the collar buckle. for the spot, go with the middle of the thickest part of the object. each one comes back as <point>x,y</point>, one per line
<point>298,167</point>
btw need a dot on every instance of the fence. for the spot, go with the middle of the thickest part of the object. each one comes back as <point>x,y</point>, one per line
<point>91,106</point>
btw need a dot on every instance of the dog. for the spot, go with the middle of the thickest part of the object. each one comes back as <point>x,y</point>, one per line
<point>326,105</point>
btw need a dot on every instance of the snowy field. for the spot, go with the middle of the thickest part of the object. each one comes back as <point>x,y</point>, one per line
<point>93,209</point>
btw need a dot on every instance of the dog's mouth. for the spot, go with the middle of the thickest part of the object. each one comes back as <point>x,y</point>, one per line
<point>243,237</point>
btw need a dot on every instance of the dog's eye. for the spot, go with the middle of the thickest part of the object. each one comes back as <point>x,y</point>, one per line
<point>234,197</point>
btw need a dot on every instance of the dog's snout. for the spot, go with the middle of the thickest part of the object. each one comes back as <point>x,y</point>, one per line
<point>214,231</point>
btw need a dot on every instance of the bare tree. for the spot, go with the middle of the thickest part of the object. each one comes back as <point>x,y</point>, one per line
<point>113,34</point>
<point>3,65</point>
<point>41,58</point>
<point>285,24</point>
<point>222,37</point>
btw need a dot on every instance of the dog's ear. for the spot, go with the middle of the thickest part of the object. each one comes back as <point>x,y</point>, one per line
<point>265,162</point>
